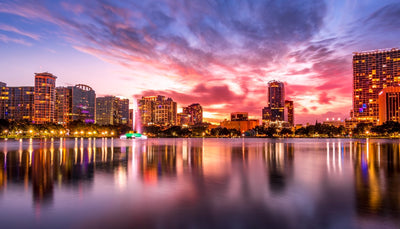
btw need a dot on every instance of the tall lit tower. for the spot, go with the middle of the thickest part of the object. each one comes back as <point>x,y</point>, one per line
<point>372,72</point>
<point>276,100</point>
<point>44,100</point>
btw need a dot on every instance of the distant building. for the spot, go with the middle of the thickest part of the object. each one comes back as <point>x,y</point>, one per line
<point>84,103</point>
<point>276,102</point>
<point>112,110</point>
<point>195,113</point>
<point>183,119</point>
<point>131,117</point>
<point>239,116</point>
<point>63,105</point>
<point>373,71</point>
<point>157,110</point>
<point>389,105</point>
<point>20,104</point>
<point>76,103</point>
<point>289,112</point>
<point>279,111</point>
<point>335,123</point>
<point>241,125</point>
<point>3,100</point>
<point>44,98</point>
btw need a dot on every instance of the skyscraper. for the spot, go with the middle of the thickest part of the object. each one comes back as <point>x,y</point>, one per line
<point>84,103</point>
<point>3,100</point>
<point>157,110</point>
<point>389,105</point>
<point>63,105</point>
<point>195,112</point>
<point>20,103</point>
<point>112,110</point>
<point>276,102</point>
<point>372,72</point>
<point>44,100</point>
<point>289,112</point>
<point>75,103</point>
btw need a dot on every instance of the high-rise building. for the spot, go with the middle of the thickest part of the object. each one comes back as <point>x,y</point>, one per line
<point>289,112</point>
<point>195,112</point>
<point>112,110</point>
<point>157,110</point>
<point>3,100</point>
<point>372,72</point>
<point>84,103</point>
<point>44,100</point>
<point>239,116</point>
<point>276,102</point>
<point>389,105</point>
<point>165,111</point>
<point>63,105</point>
<point>20,105</point>
<point>183,119</point>
<point>75,103</point>
<point>146,109</point>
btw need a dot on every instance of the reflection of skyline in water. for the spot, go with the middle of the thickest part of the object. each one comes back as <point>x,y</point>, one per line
<point>221,178</point>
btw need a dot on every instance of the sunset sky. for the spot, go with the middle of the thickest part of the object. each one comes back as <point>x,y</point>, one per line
<point>220,54</point>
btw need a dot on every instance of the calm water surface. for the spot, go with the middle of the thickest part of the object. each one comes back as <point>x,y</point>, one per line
<point>200,183</point>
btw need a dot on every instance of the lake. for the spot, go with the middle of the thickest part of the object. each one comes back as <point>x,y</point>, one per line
<point>200,183</point>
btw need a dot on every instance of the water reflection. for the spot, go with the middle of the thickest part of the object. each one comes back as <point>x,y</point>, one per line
<point>251,182</point>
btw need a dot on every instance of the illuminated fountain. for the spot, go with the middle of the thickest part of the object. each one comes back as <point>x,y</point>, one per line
<point>136,127</point>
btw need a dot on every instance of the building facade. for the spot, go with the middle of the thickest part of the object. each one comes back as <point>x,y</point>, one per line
<point>63,105</point>
<point>20,103</point>
<point>83,103</point>
<point>373,71</point>
<point>3,100</point>
<point>242,126</point>
<point>239,116</point>
<point>275,111</point>
<point>289,112</point>
<point>44,98</point>
<point>157,110</point>
<point>112,110</point>
<point>195,112</point>
<point>389,105</point>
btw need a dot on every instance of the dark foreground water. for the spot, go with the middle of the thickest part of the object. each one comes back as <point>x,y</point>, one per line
<point>200,183</point>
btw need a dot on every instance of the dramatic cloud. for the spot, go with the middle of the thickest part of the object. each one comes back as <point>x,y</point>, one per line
<point>218,53</point>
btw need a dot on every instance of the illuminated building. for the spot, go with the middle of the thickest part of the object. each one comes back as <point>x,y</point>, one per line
<point>131,117</point>
<point>242,126</point>
<point>20,103</point>
<point>16,103</point>
<point>84,103</point>
<point>389,105</point>
<point>240,121</point>
<point>44,100</point>
<point>279,111</point>
<point>111,110</point>
<point>289,112</point>
<point>63,105</point>
<point>372,72</point>
<point>239,116</point>
<point>195,112</point>
<point>75,103</point>
<point>183,119</point>
<point>3,100</point>
<point>157,110</point>
<point>146,109</point>
<point>276,102</point>
<point>333,122</point>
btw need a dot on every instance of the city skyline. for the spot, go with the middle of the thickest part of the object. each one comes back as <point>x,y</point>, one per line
<point>218,55</point>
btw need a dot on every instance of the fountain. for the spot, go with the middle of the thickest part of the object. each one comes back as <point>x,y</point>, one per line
<point>136,127</point>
